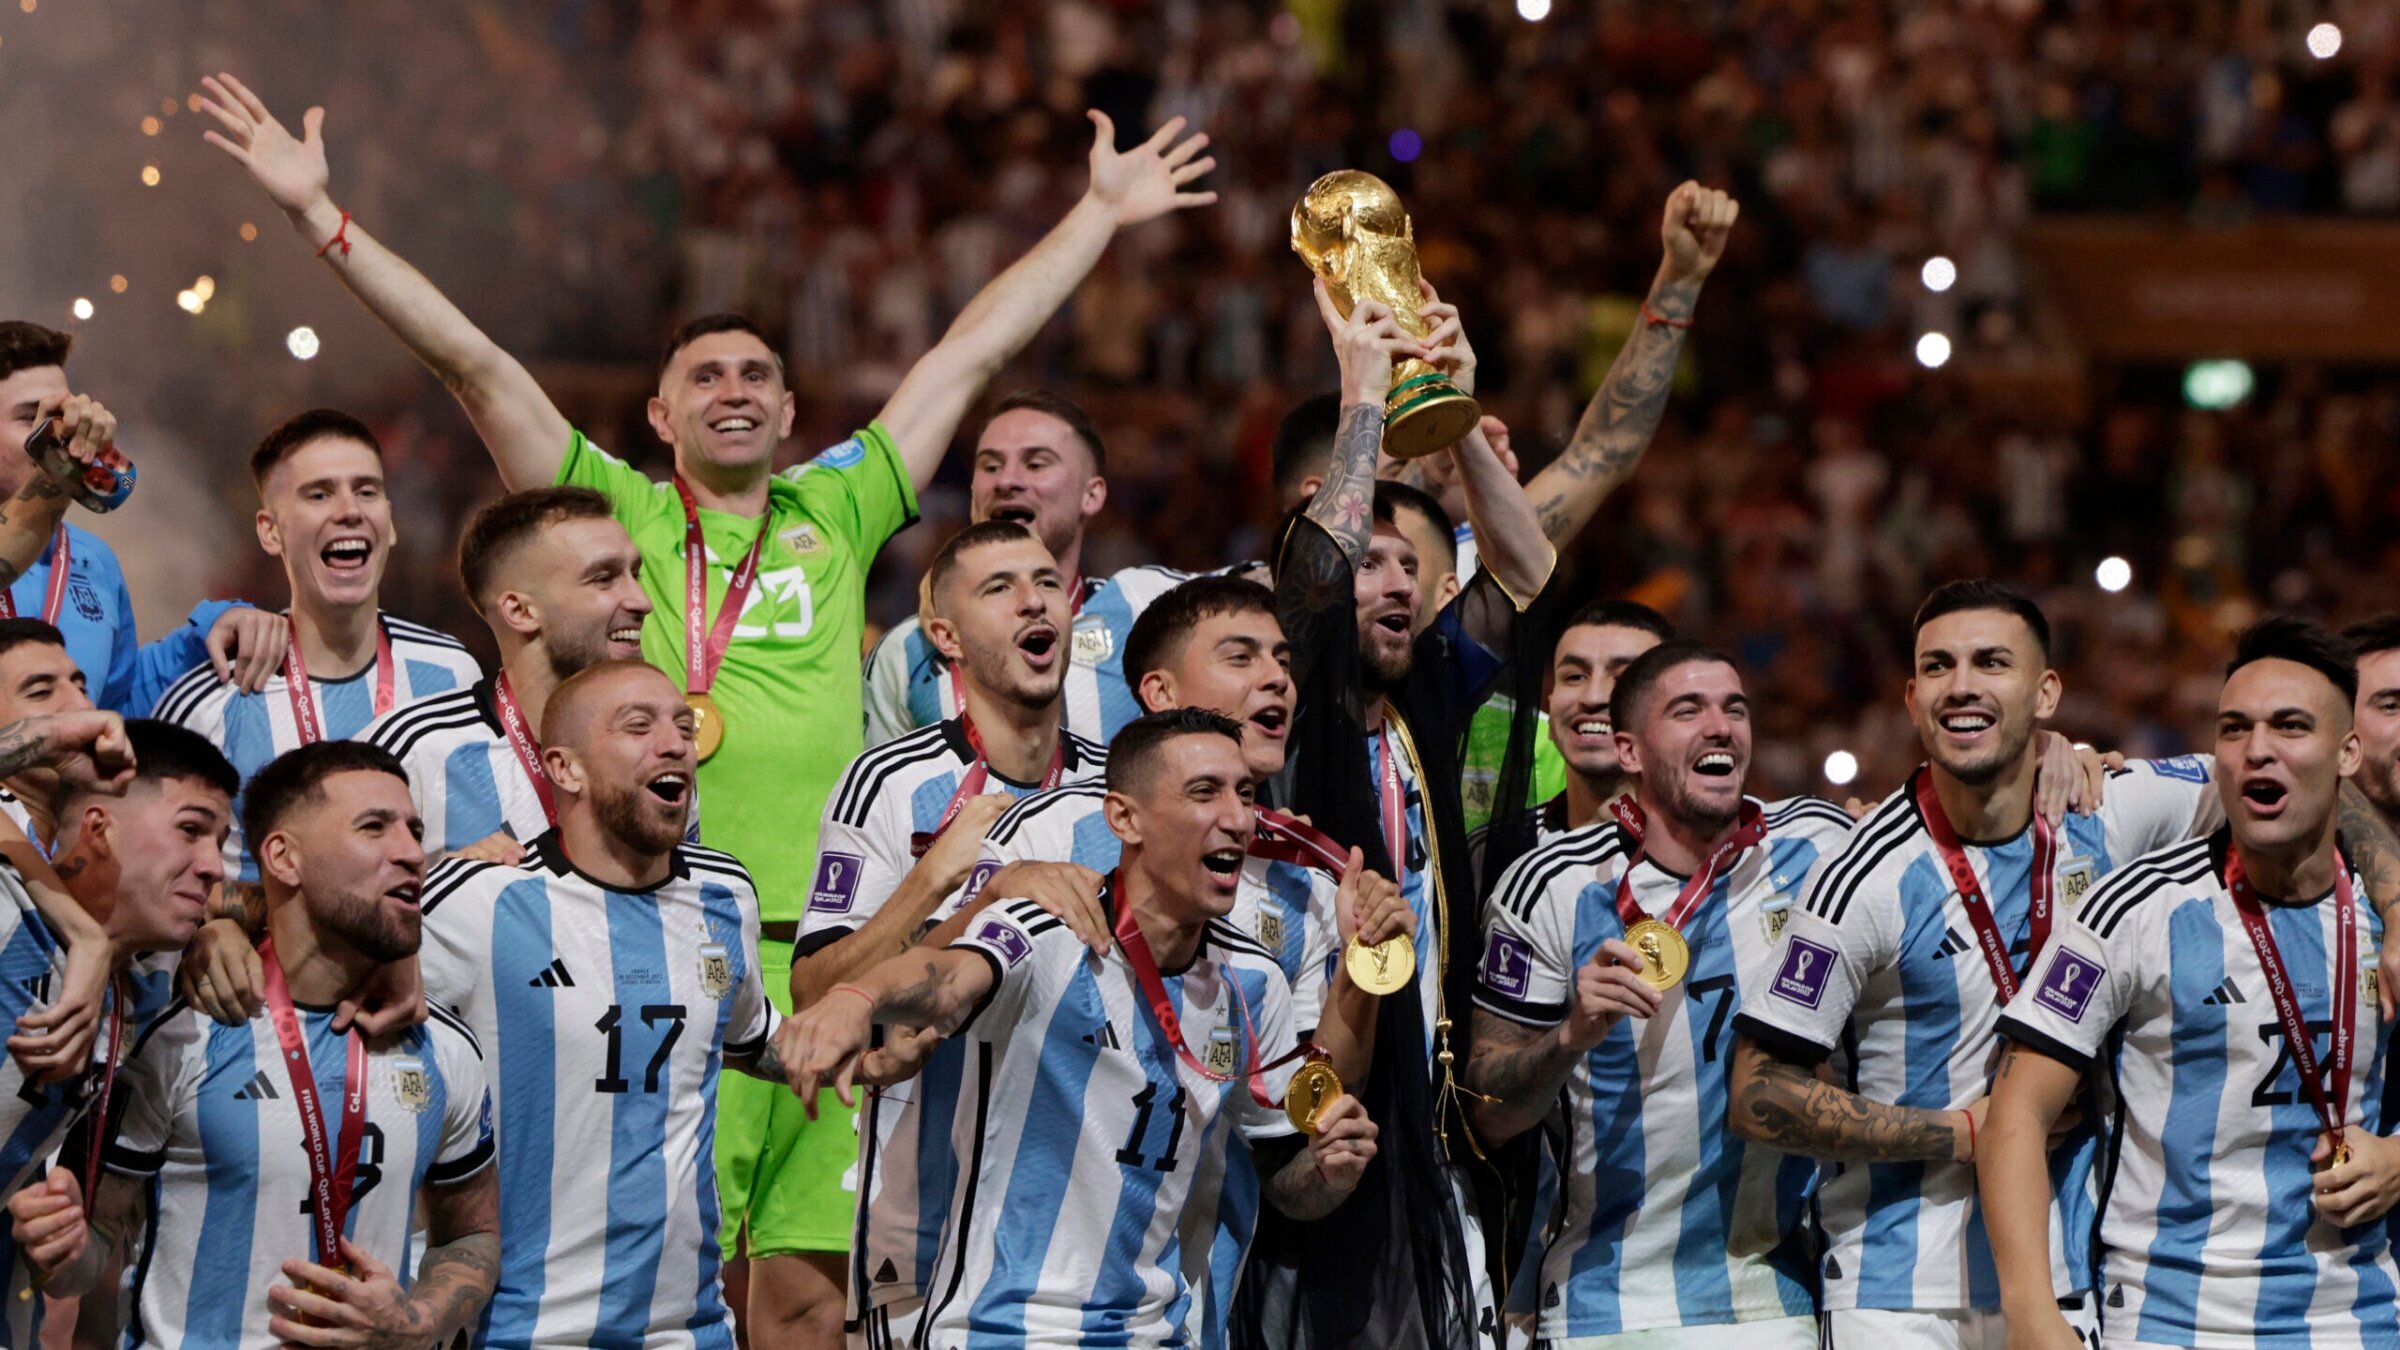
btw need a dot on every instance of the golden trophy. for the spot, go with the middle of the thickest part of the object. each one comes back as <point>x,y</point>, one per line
<point>1351,230</point>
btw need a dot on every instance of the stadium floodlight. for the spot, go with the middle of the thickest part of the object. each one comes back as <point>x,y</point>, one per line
<point>301,343</point>
<point>2113,574</point>
<point>1533,11</point>
<point>2323,41</point>
<point>83,308</point>
<point>1933,351</point>
<point>1841,767</point>
<point>1939,274</point>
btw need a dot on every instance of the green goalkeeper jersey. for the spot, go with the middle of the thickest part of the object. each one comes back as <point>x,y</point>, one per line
<point>789,684</point>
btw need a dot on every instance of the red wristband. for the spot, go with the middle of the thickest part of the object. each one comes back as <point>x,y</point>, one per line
<point>340,236</point>
<point>1970,1115</point>
<point>853,989</point>
<point>1648,314</point>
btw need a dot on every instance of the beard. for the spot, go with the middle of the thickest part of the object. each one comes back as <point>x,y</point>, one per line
<point>1000,676</point>
<point>631,815</point>
<point>571,653</point>
<point>362,922</point>
<point>1982,767</point>
<point>1385,666</point>
<point>1677,796</point>
<point>2380,781</point>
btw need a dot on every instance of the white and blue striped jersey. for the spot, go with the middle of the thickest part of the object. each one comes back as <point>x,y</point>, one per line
<point>609,1014</point>
<point>2207,1232</point>
<point>1665,1218</point>
<point>1880,971</point>
<point>910,685</point>
<point>1091,1133</point>
<point>1287,908</point>
<point>34,1117</point>
<point>890,798</point>
<point>252,729</point>
<point>209,1114</point>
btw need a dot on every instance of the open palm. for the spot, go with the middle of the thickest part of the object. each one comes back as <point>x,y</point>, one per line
<point>1147,181</point>
<point>292,171</point>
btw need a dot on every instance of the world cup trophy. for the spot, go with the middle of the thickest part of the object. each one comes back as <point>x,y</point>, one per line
<point>1351,230</point>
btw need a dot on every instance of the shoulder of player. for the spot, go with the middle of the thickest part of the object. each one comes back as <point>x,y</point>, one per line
<point>190,695</point>
<point>1084,753</point>
<point>407,634</point>
<point>169,1029</point>
<point>2170,871</point>
<point>1143,582</point>
<point>715,865</point>
<point>1871,855</point>
<point>404,728</point>
<point>1072,802</point>
<point>864,781</point>
<point>1812,816</point>
<point>1239,947</point>
<point>1567,857</point>
<point>443,1025</point>
<point>465,880</point>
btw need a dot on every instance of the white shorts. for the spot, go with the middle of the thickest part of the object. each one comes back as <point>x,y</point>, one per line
<point>1778,1333</point>
<point>890,1327</point>
<point>1947,1329</point>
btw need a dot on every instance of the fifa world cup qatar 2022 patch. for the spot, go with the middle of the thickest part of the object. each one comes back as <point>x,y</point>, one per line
<point>1801,978</point>
<point>1006,942</point>
<point>2067,988</point>
<point>837,882</point>
<point>1507,965</point>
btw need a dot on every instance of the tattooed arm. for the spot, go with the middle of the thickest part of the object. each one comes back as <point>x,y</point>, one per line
<point>922,987</point>
<point>2012,1167</point>
<point>27,523</point>
<point>1622,417</point>
<point>1365,344</point>
<point>1779,1101</point>
<point>1520,1071</point>
<point>462,1258</point>
<point>2367,837</point>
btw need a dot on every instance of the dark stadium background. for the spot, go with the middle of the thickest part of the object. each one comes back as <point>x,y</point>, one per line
<point>2122,188</point>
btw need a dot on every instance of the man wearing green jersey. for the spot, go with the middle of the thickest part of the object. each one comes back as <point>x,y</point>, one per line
<point>777,682</point>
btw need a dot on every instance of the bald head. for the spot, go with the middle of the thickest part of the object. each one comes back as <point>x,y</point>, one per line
<point>586,701</point>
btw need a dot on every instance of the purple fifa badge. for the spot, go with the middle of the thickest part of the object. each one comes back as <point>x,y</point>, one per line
<point>1802,977</point>
<point>837,882</point>
<point>2067,989</point>
<point>975,879</point>
<point>1009,944</point>
<point>1507,965</point>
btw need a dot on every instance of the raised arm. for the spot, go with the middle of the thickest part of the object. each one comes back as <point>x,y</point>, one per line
<point>525,431</point>
<point>1127,188</point>
<point>1622,417</point>
<point>1781,1102</point>
<point>29,519</point>
<point>2012,1168</point>
<point>1365,345</point>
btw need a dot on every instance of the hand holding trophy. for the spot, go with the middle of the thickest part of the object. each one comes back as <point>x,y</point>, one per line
<point>1351,230</point>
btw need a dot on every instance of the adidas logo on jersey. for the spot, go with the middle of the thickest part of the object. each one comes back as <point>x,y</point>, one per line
<point>1952,945</point>
<point>260,1088</point>
<point>2225,995</point>
<point>556,977</point>
<point>1104,1036</point>
<point>36,987</point>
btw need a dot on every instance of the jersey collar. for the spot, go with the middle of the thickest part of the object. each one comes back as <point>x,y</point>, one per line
<point>547,853</point>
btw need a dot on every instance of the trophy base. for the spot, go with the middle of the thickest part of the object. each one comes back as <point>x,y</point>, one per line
<point>1425,416</point>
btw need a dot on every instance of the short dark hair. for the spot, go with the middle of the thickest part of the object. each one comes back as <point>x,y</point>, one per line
<point>1958,597</point>
<point>1159,635</point>
<point>1392,497</point>
<point>707,324</point>
<point>165,750</point>
<point>1303,442</point>
<point>500,528</point>
<point>297,777</point>
<point>1610,612</point>
<point>1642,674</point>
<point>1133,753</point>
<point>1065,410</point>
<point>315,424</point>
<point>29,346</point>
<point>945,558</point>
<point>15,633</point>
<point>2378,634</point>
<point>2282,637</point>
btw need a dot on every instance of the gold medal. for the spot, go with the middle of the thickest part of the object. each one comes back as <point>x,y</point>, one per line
<point>1314,1085</point>
<point>2341,1155</point>
<point>1665,956</point>
<point>708,724</point>
<point>1384,968</point>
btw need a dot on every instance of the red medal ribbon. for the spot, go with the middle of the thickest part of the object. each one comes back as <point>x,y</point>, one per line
<point>108,1086</point>
<point>1751,828</point>
<point>971,783</point>
<point>332,1162</point>
<point>2332,1103</point>
<point>304,695</point>
<point>520,739</point>
<point>56,596</point>
<point>1162,1007</point>
<point>1970,891</point>
<point>704,651</point>
<point>1281,838</point>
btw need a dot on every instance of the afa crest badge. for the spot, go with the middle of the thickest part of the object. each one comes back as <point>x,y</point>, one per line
<point>716,970</point>
<point>411,1084</point>
<point>1270,930</point>
<point>1220,1050</point>
<point>2075,880</point>
<point>1092,643</point>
